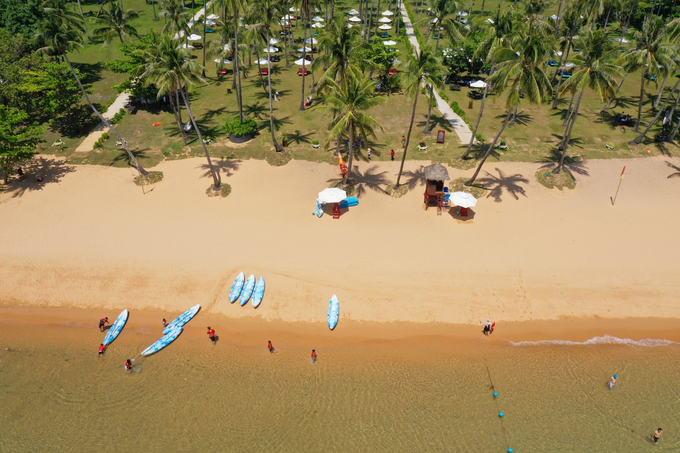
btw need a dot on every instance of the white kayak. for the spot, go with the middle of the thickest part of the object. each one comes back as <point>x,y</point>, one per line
<point>333,312</point>
<point>182,319</point>
<point>163,342</point>
<point>258,293</point>
<point>236,288</point>
<point>116,327</point>
<point>247,290</point>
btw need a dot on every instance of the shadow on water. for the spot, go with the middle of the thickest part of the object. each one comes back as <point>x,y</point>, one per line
<point>52,171</point>
<point>502,183</point>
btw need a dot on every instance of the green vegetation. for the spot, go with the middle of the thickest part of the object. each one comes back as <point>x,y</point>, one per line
<point>238,126</point>
<point>548,178</point>
<point>396,192</point>
<point>458,185</point>
<point>151,178</point>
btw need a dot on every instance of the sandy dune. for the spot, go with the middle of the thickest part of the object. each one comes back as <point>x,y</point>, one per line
<point>88,237</point>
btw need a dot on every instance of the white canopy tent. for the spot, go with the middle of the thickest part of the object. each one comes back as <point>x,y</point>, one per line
<point>302,62</point>
<point>304,49</point>
<point>312,41</point>
<point>478,84</point>
<point>390,43</point>
<point>262,61</point>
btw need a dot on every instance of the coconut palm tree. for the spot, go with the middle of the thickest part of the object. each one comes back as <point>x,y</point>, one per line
<point>304,10</point>
<point>115,22</point>
<point>519,69</point>
<point>571,25</point>
<point>497,32</point>
<point>58,34</point>
<point>269,12</point>
<point>343,54</point>
<point>347,102</point>
<point>423,68</point>
<point>171,67</point>
<point>651,51</point>
<point>594,69</point>
<point>442,15</point>
<point>177,17</point>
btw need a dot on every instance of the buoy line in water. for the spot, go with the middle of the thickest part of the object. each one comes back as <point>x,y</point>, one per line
<point>500,414</point>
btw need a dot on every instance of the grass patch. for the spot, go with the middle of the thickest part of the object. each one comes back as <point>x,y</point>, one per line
<point>551,180</point>
<point>223,192</point>
<point>152,178</point>
<point>458,185</point>
<point>398,192</point>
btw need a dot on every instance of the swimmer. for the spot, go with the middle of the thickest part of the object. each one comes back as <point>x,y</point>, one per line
<point>657,436</point>
<point>612,381</point>
<point>313,356</point>
<point>102,323</point>
<point>102,348</point>
<point>270,346</point>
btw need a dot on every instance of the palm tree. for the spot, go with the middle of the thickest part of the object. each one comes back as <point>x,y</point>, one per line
<point>520,69</point>
<point>305,14</point>
<point>348,101</point>
<point>171,67</point>
<point>269,12</point>
<point>571,25</point>
<point>343,53</point>
<point>497,33</point>
<point>443,13</point>
<point>58,34</point>
<point>595,69</point>
<point>115,23</point>
<point>237,7</point>
<point>423,68</point>
<point>178,18</point>
<point>83,17</point>
<point>651,51</point>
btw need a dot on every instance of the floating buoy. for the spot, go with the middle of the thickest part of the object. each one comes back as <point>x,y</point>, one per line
<point>500,414</point>
<point>495,394</point>
<point>509,450</point>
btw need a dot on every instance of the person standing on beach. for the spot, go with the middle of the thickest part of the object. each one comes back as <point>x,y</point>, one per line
<point>487,327</point>
<point>102,323</point>
<point>313,356</point>
<point>165,323</point>
<point>403,141</point>
<point>657,436</point>
<point>270,346</point>
<point>612,381</point>
<point>211,335</point>
<point>128,365</point>
<point>392,154</point>
<point>369,153</point>
<point>102,348</point>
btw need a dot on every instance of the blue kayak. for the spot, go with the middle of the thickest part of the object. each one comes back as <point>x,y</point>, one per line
<point>116,327</point>
<point>182,319</point>
<point>259,292</point>
<point>247,290</point>
<point>236,288</point>
<point>333,312</point>
<point>163,342</point>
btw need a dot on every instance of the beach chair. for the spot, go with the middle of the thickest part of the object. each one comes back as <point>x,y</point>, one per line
<point>209,30</point>
<point>349,202</point>
<point>336,211</point>
<point>223,71</point>
<point>58,143</point>
<point>264,71</point>
<point>392,71</point>
<point>300,71</point>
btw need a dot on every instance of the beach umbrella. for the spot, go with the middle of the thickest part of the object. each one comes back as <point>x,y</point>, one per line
<point>210,22</point>
<point>434,21</point>
<point>273,41</point>
<point>292,9</point>
<point>222,60</point>
<point>262,61</point>
<point>384,20</point>
<point>478,84</point>
<point>385,27</point>
<point>302,62</point>
<point>303,49</point>
<point>353,12</point>
<point>270,49</point>
<point>312,41</point>
<point>187,46</point>
<point>333,195</point>
<point>317,19</point>
<point>554,17</point>
<point>317,10</point>
<point>390,43</point>
<point>621,40</point>
<point>287,16</point>
<point>194,37</point>
<point>284,22</point>
<point>354,19</point>
<point>350,25</point>
<point>317,25</point>
<point>463,199</point>
<point>387,13</point>
<point>213,17</point>
<point>490,21</point>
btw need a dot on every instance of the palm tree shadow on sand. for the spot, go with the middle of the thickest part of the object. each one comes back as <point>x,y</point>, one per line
<point>674,167</point>
<point>571,164</point>
<point>369,179</point>
<point>414,178</point>
<point>51,170</point>
<point>226,167</point>
<point>497,185</point>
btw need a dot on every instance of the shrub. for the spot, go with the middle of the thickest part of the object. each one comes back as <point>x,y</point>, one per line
<point>98,144</point>
<point>315,142</point>
<point>117,117</point>
<point>479,138</point>
<point>443,96</point>
<point>105,136</point>
<point>457,110</point>
<point>249,127</point>
<point>503,143</point>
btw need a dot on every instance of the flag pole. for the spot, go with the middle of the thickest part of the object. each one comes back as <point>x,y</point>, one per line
<point>613,200</point>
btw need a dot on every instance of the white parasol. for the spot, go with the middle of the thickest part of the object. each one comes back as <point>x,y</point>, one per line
<point>317,19</point>
<point>270,49</point>
<point>463,199</point>
<point>222,60</point>
<point>287,17</point>
<point>462,14</point>
<point>292,9</point>
<point>210,22</point>
<point>384,20</point>
<point>262,61</point>
<point>333,195</point>
<point>194,37</point>
<point>312,41</point>
<point>387,13</point>
<point>317,25</point>
<point>187,46</point>
<point>354,19</point>
<point>478,84</point>
<point>353,12</point>
<point>385,27</point>
<point>304,49</point>
<point>284,22</point>
<point>302,62</point>
<point>273,41</point>
<point>213,17</point>
<point>390,43</point>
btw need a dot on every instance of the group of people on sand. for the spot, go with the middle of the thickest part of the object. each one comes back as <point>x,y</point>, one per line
<point>488,327</point>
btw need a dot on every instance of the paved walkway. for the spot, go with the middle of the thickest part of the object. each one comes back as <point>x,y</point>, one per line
<point>120,102</point>
<point>459,126</point>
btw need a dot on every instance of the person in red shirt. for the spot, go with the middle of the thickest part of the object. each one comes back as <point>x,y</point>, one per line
<point>128,365</point>
<point>165,323</point>
<point>211,335</point>
<point>102,323</point>
<point>102,348</point>
<point>313,356</point>
<point>392,154</point>
<point>270,346</point>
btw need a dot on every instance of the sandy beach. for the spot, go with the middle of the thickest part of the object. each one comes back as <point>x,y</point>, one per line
<point>88,238</point>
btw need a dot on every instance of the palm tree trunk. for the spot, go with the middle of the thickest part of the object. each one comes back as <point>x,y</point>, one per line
<point>367,31</point>
<point>408,137</point>
<point>259,69</point>
<point>567,117</point>
<point>153,5</point>
<point>470,10</point>
<point>675,129</point>
<point>567,135</point>
<point>398,16</point>
<point>658,98</point>
<point>277,147</point>
<point>217,182</point>
<point>482,12</point>
<point>559,18</point>
<point>204,46</point>
<point>642,95</point>
<point>312,90</point>
<point>179,114</point>
<point>304,60</point>
<point>639,138</point>
<point>83,17</point>
<point>429,110</point>
<point>132,157</point>
<point>177,117</point>
<point>376,19</point>
<point>559,84</point>
<point>675,105</point>
<point>606,21</point>
<point>479,116</point>
<point>563,57</point>
<point>488,151</point>
<point>238,71</point>
<point>351,153</point>
<point>609,101</point>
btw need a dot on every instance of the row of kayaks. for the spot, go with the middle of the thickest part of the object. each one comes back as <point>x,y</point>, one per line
<point>243,290</point>
<point>170,333</point>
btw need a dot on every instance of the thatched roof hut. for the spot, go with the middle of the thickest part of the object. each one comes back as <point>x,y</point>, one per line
<point>436,172</point>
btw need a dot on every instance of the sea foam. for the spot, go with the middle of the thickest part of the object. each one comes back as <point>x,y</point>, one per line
<point>606,339</point>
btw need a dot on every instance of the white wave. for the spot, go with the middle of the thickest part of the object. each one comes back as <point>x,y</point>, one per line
<point>606,339</point>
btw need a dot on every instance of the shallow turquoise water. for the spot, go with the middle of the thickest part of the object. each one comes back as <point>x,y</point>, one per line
<point>191,396</point>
